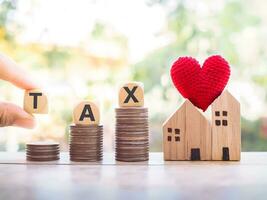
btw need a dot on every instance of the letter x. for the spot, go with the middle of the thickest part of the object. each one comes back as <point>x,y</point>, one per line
<point>130,94</point>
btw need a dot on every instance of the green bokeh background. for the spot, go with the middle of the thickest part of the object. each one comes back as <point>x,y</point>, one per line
<point>235,29</point>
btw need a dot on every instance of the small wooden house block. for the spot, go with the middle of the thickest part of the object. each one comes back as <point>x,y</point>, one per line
<point>174,136</point>
<point>86,113</point>
<point>226,131</point>
<point>131,95</point>
<point>187,135</point>
<point>35,101</point>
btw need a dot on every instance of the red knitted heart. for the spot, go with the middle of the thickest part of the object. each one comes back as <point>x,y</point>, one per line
<point>200,85</point>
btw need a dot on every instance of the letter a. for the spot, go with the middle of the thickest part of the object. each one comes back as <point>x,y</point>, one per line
<point>87,112</point>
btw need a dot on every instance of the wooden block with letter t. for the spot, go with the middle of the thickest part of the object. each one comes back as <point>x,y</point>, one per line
<point>35,101</point>
<point>226,131</point>
<point>131,95</point>
<point>86,113</point>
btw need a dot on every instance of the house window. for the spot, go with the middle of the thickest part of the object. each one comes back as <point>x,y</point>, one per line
<point>218,122</point>
<point>169,138</point>
<point>217,113</point>
<point>221,122</point>
<point>177,139</point>
<point>169,130</point>
<point>177,131</point>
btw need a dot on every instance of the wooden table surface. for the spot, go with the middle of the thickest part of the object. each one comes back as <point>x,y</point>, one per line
<point>155,179</point>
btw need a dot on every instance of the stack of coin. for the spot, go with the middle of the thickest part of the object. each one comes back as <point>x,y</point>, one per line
<point>42,151</point>
<point>132,143</point>
<point>86,143</point>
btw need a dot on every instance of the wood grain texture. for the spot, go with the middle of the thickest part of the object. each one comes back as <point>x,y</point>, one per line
<point>35,101</point>
<point>226,135</point>
<point>174,150</point>
<point>198,132</point>
<point>195,133</point>
<point>157,179</point>
<point>134,88</point>
<point>86,113</point>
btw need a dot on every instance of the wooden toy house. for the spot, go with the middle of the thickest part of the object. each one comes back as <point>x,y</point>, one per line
<point>226,132</point>
<point>187,135</point>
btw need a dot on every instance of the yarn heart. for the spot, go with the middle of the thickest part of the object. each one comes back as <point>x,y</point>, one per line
<point>200,85</point>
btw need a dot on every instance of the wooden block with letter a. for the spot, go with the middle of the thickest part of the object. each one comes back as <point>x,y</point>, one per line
<point>35,101</point>
<point>86,113</point>
<point>131,95</point>
<point>226,131</point>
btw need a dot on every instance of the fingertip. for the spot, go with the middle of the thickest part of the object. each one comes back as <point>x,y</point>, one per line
<point>28,123</point>
<point>13,115</point>
<point>10,72</point>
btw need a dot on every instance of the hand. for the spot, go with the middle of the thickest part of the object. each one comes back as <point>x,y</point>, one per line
<point>11,114</point>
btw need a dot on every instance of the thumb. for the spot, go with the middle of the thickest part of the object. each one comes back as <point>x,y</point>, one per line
<point>13,115</point>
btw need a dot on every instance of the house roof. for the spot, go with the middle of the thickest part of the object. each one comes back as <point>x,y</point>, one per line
<point>226,94</point>
<point>182,108</point>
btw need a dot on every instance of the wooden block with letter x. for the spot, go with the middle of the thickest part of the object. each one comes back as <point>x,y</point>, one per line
<point>131,95</point>
<point>35,101</point>
<point>86,113</point>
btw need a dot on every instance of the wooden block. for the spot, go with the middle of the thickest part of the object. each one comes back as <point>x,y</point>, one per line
<point>198,133</point>
<point>187,135</point>
<point>86,113</point>
<point>131,95</point>
<point>35,101</point>
<point>226,130</point>
<point>174,135</point>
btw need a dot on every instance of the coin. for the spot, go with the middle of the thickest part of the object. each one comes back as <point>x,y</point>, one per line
<point>136,159</point>
<point>86,159</point>
<point>42,144</point>
<point>86,143</point>
<point>132,134</point>
<point>43,159</point>
<point>42,151</point>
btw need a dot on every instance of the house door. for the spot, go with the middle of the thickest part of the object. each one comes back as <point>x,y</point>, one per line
<point>225,152</point>
<point>195,154</point>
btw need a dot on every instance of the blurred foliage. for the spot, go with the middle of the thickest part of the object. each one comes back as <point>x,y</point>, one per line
<point>100,62</point>
<point>7,7</point>
<point>56,57</point>
<point>191,32</point>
